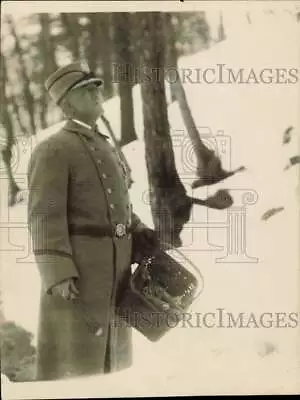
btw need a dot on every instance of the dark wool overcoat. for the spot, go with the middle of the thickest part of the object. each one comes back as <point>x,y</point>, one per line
<point>77,183</point>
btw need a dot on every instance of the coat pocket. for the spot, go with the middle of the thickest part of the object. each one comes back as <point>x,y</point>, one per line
<point>93,326</point>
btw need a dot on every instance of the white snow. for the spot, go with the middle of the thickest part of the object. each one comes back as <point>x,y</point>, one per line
<point>253,119</point>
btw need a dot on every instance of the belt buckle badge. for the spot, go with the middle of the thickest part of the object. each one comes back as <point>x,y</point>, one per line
<point>120,230</point>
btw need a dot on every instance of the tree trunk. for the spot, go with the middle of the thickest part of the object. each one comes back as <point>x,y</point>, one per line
<point>169,204</point>
<point>70,22</point>
<point>106,53</point>
<point>203,154</point>
<point>16,114</point>
<point>136,44</point>
<point>6,152</point>
<point>209,167</point>
<point>6,156</point>
<point>47,51</point>
<point>93,50</point>
<point>28,97</point>
<point>100,51</point>
<point>171,53</point>
<point>124,64</point>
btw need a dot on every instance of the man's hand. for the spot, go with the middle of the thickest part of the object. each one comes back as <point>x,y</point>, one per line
<point>66,289</point>
<point>144,243</point>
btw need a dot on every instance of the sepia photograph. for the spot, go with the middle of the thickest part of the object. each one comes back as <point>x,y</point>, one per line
<point>150,192</point>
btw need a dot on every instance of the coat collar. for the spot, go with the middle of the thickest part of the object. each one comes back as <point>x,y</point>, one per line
<point>83,129</point>
<point>81,123</point>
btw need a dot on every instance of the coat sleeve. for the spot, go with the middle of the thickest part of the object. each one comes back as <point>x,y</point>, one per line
<point>136,223</point>
<point>48,175</point>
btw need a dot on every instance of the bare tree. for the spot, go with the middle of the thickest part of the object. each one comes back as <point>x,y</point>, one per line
<point>93,50</point>
<point>16,115</point>
<point>124,66</point>
<point>25,80</point>
<point>209,167</point>
<point>106,52</point>
<point>6,151</point>
<point>99,52</point>
<point>47,52</point>
<point>165,188</point>
<point>72,27</point>
<point>170,205</point>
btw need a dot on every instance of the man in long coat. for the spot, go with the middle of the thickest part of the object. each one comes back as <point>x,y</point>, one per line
<point>82,227</point>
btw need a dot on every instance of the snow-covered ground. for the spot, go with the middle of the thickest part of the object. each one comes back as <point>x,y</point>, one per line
<point>264,278</point>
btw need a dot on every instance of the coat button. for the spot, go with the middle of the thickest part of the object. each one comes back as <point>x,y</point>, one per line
<point>99,161</point>
<point>109,191</point>
<point>112,206</point>
<point>104,176</point>
<point>92,148</point>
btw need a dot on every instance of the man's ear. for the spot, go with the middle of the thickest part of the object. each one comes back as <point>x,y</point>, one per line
<point>66,106</point>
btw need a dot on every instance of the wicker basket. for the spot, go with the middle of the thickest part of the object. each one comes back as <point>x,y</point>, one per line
<point>160,290</point>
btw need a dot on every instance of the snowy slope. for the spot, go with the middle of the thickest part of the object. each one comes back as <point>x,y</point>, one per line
<point>213,360</point>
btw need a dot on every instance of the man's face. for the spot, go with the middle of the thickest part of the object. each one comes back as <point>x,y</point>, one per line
<point>87,101</point>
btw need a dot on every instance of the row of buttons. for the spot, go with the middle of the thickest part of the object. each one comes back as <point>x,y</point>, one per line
<point>104,176</point>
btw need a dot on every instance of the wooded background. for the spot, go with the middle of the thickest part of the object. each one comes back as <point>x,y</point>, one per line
<point>36,45</point>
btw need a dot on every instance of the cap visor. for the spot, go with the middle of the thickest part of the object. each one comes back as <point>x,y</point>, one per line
<point>96,81</point>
